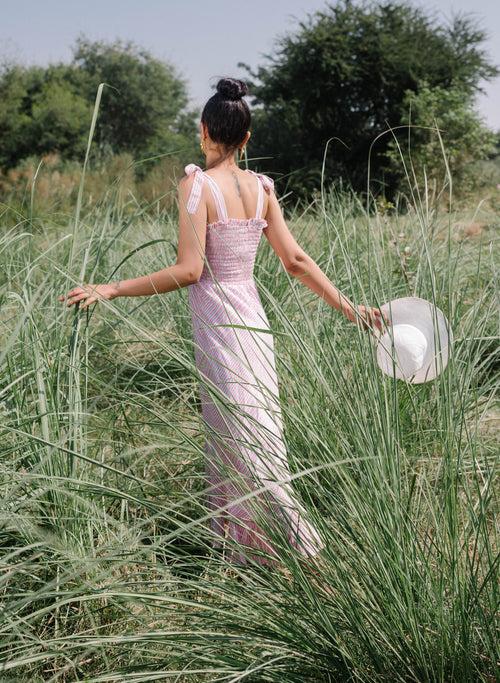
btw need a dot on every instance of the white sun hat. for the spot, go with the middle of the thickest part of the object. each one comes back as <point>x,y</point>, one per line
<point>416,345</point>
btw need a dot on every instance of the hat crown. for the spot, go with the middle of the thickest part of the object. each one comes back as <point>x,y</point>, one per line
<point>416,345</point>
<point>410,347</point>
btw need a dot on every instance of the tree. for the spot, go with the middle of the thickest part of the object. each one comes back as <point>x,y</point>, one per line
<point>440,118</point>
<point>13,119</point>
<point>60,116</point>
<point>345,74</point>
<point>144,111</point>
<point>49,109</point>
<point>40,112</point>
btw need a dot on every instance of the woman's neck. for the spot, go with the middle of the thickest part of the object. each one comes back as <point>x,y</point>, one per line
<point>229,163</point>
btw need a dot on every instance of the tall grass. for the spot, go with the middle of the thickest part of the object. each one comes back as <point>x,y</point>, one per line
<point>107,568</point>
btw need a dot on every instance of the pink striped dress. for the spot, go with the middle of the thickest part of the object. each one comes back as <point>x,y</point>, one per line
<point>238,389</point>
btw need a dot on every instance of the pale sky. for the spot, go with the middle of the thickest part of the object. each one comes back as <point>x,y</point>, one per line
<point>204,39</point>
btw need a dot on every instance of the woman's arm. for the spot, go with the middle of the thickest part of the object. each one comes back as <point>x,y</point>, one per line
<point>186,270</point>
<point>304,268</point>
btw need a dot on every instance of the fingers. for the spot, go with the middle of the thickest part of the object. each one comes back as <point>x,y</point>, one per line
<point>74,292</point>
<point>381,319</point>
<point>78,294</point>
<point>75,299</point>
<point>77,291</point>
<point>381,316</point>
<point>372,318</point>
<point>87,298</point>
<point>367,316</point>
<point>378,322</point>
<point>378,318</point>
<point>90,300</point>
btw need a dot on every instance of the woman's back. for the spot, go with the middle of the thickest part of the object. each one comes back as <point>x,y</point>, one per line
<point>236,201</point>
<point>240,192</point>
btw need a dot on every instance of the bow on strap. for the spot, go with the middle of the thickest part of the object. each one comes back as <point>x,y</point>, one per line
<point>191,168</point>
<point>195,196</point>
<point>267,182</point>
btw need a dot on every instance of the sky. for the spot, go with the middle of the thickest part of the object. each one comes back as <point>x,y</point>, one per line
<point>204,40</point>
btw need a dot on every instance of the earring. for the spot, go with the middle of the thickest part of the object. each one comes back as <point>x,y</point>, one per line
<point>242,153</point>
<point>202,147</point>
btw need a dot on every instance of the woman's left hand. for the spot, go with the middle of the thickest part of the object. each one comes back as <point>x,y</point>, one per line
<point>369,318</point>
<point>89,294</point>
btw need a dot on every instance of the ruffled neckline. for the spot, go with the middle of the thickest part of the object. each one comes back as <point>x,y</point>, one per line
<point>237,221</point>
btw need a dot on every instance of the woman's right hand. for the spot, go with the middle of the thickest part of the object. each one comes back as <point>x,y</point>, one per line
<point>89,294</point>
<point>368,317</point>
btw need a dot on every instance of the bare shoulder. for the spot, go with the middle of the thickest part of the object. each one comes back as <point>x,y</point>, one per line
<point>185,184</point>
<point>185,181</point>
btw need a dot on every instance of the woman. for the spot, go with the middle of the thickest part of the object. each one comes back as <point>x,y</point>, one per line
<point>222,213</point>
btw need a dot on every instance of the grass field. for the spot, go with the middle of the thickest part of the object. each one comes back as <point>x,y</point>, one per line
<point>106,567</point>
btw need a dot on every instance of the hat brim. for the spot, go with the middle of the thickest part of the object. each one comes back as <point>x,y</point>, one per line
<point>430,320</point>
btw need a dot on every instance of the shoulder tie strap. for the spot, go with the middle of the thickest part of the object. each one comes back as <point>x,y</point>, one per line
<point>260,198</point>
<point>195,194</point>
<point>220,204</point>
<point>268,184</point>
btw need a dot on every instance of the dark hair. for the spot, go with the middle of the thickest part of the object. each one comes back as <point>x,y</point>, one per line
<point>226,114</point>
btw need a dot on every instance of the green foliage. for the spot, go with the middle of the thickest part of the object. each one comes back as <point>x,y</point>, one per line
<point>18,87</point>
<point>59,118</point>
<point>145,110</point>
<point>345,74</point>
<point>47,110</point>
<point>439,117</point>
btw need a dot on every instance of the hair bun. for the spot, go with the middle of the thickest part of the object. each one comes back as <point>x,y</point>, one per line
<point>232,88</point>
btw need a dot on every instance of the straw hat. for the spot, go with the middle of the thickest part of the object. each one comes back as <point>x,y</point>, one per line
<point>415,347</point>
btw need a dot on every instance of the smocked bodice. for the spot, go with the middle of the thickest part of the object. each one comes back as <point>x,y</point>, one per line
<point>231,243</point>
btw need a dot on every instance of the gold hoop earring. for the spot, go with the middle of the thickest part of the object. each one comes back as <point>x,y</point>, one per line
<point>202,147</point>
<point>242,153</point>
